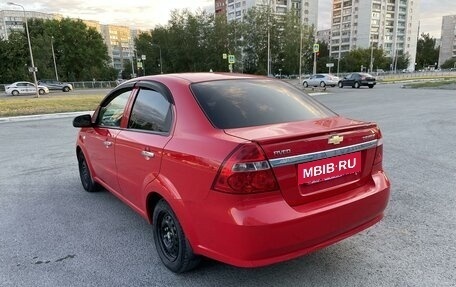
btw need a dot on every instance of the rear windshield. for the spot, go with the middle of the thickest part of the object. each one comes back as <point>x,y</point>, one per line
<point>244,103</point>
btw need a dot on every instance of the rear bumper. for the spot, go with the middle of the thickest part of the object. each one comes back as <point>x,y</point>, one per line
<point>263,231</point>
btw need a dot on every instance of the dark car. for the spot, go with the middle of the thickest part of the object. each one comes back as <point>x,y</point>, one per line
<point>356,80</point>
<point>243,169</point>
<point>56,85</point>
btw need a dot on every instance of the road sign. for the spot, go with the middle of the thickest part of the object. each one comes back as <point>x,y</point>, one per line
<point>224,56</point>
<point>231,59</point>
<point>329,65</point>
<point>143,57</point>
<point>316,48</point>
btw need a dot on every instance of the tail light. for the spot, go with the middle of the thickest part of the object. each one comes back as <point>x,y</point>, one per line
<point>246,170</point>
<point>378,160</point>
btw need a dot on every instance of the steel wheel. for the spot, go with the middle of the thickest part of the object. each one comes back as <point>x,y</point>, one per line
<point>172,246</point>
<point>86,177</point>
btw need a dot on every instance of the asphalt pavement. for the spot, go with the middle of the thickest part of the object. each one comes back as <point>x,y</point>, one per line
<point>52,233</point>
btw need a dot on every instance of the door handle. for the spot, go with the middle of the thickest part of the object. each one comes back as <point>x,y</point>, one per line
<point>147,154</point>
<point>107,144</point>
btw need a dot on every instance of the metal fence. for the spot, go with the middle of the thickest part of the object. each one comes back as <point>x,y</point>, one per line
<point>83,85</point>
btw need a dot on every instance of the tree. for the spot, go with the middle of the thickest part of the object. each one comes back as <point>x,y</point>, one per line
<point>426,53</point>
<point>449,64</point>
<point>14,59</point>
<point>79,51</point>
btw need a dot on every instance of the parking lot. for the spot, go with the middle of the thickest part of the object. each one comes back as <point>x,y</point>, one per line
<point>55,234</point>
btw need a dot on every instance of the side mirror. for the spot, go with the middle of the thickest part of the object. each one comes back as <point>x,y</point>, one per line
<point>84,121</point>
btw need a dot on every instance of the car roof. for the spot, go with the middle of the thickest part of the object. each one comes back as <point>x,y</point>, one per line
<point>200,77</point>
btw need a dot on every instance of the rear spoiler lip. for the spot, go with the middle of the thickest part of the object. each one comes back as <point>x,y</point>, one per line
<point>307,157</point>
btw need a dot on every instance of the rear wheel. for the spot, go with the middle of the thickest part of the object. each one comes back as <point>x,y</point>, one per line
<point>356,85</point>
<point>340,84</point>
<point>172,246</point>
<point>305,84</point>
<point>86,177</point>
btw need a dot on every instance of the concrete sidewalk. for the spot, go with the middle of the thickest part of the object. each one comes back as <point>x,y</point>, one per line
<point>43,117</point>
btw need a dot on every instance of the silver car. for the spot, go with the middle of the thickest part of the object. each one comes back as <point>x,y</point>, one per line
<point>321,80</point>
<point>23,88</point>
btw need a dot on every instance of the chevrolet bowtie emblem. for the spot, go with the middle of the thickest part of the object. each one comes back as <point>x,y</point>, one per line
<point>335,139</point>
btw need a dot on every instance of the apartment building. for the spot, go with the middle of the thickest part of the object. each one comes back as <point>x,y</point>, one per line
<point>13,20</point>
<point>388,24</point>
<point>324,36</point>
<point>120,44</point>
<point>306,9</point>
<point>448,39</point>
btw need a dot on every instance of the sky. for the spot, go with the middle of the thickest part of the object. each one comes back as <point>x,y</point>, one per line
<point>146,14</point>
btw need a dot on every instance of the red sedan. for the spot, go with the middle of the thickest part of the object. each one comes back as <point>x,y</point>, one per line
<point>246,170</point>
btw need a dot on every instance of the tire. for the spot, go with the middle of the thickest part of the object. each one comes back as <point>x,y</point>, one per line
<point>371,86</point>
<point>356,85</point>
<point>172,246</point>
<point>340,84</point>
<point>15,93</point>
<point>305,84</point>
<point>66,89</point>
<point>86,176</point>
<point>322,84</point>
<point>41,91</point>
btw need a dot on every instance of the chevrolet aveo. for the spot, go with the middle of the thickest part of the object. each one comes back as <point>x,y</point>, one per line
<point>245,170</point>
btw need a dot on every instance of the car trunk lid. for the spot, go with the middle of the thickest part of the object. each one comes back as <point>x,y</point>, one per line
<point>316,159</point>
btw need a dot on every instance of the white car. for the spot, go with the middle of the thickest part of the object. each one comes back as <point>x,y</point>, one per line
<point>321,80</point>
<point>23,88</point>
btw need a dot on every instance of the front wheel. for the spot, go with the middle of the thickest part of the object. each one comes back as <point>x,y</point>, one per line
<point>15,93</point>
<point>66,89</point>
<point>340,84</point>
<point>371,86</point>
<point>322,84</point>
<point>172,246</point>
<point>305,84</point>
<point>41,91</point>
<point>86,177</point>
<point>356,85</point>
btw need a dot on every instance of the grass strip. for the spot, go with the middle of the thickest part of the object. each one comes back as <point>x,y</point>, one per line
<point>434,84</point>
<point>22,105</point>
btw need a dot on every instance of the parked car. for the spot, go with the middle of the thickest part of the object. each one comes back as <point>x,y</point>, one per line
<point>56,85</point>
<point>356,80</point>
<point>24,88</point>
<point>321,80</point>
<point>242,169</point>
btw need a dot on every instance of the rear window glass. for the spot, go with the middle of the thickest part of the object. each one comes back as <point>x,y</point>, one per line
<point>245,103</point>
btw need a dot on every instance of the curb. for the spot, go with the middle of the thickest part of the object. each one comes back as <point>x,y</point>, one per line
<point>42,117</point>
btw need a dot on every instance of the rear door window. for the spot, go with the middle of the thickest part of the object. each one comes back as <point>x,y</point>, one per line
<point>151,112</point>
<point>245,103</point>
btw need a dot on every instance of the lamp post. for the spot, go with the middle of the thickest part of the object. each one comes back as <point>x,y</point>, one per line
<point>300,54</point>
<point>372,57</point>
<point>269,39</point>
<point>30,47</point>
<point>53,56</point>
<point>160,50</point>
